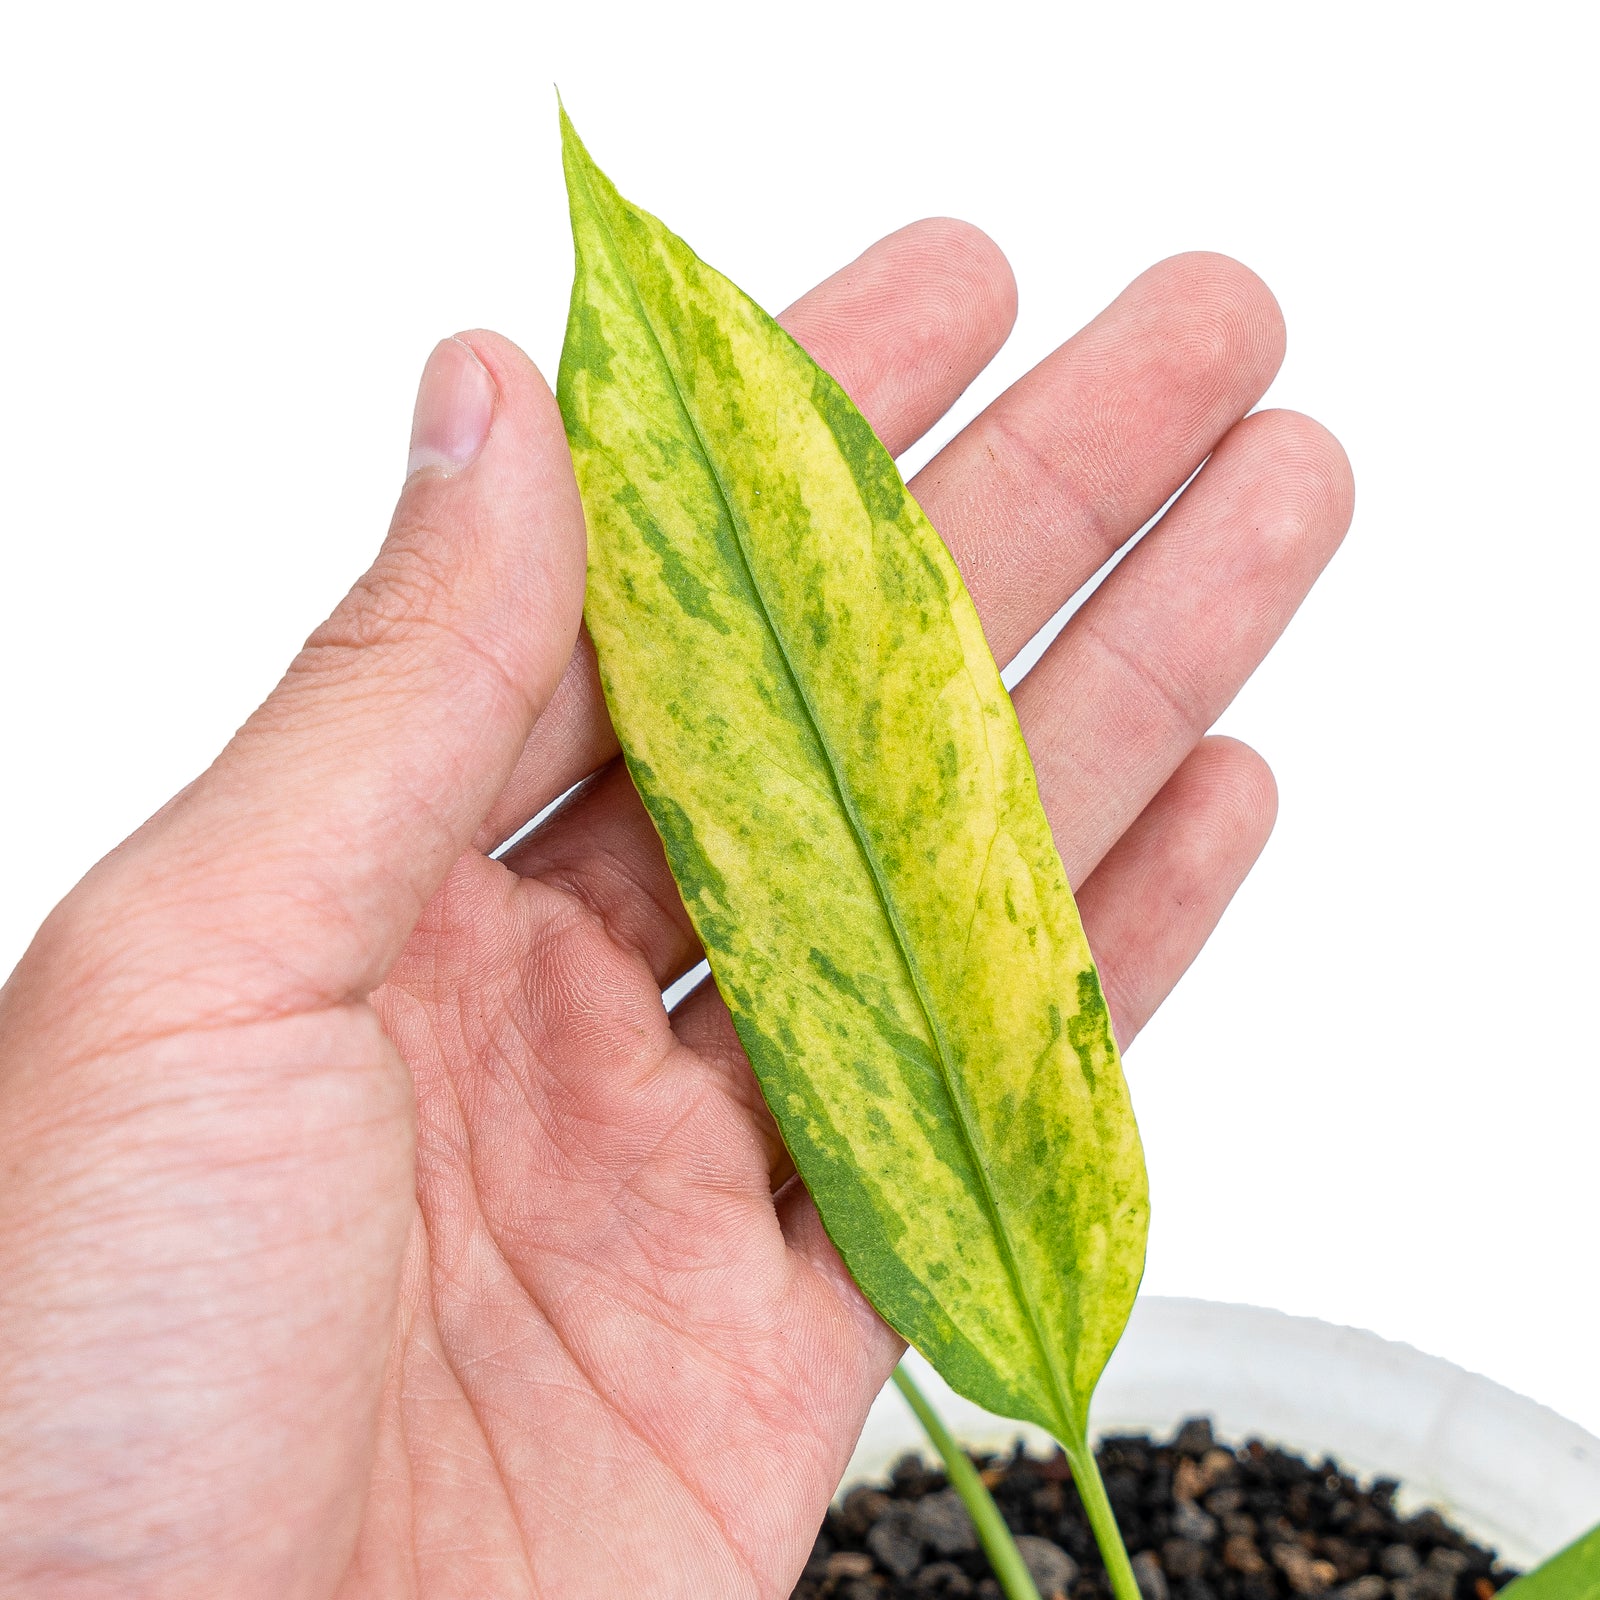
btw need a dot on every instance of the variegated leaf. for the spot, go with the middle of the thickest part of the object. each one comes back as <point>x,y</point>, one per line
<point>809,709</point>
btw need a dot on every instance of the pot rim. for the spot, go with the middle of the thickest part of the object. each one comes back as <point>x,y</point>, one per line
<point>1512,1473</point>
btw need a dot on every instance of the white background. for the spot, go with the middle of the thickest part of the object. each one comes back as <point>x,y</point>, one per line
<point>232,235</point>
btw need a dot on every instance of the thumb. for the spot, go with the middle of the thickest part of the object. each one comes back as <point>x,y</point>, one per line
<point>295,867</point>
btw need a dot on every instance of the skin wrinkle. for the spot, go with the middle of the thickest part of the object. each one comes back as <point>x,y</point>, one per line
<point>650,1303</point>
<point>704,1013</point>
<point>102,1057</point>
<point>532,1234</point>
<point>552,1322</point>
<point>442,965</point>
<point>91,966</point>
<point>604,900</point>
<point>388,613</point>
<point>467,1543</point>
<point>1092,450</point>
<point>561,927</point>
<point>1072,497</point>
<point>570,744</point>
<point>528,1567</point>
<point>468,1160</point>
<point>554,1122</point>
<point>435,1283</point>
<point>375,635</point>
<point>272,986</point>
<point>1178,708</point>
<point>629,1180</point>
<point>576,1115</point>
<point>760,1400</point>
<point>393,1470</point>
<point>441,961</point>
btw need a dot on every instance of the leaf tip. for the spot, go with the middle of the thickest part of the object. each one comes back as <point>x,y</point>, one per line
<point>590,193</point>
<point>570,140</point>
<point>573,149</point>
<point>576,161</point>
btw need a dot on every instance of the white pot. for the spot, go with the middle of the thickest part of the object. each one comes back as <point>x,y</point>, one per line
<point>1511,1473</point>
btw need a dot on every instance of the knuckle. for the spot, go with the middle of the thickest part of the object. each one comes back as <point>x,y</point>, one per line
<point>394,600</point>
<point>408,612</point>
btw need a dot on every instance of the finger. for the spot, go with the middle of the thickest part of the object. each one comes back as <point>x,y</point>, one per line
<point>1152,903</point>
<point>339,807</point>
<point>904,329</point>
<point>1073,459</point>
<point>1163,645</point>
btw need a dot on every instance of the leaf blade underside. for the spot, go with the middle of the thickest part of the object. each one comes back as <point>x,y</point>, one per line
<point>809,709</point>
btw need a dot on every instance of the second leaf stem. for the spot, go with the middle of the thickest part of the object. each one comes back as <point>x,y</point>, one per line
<point>996,1537</point>
<point>998,1544</point>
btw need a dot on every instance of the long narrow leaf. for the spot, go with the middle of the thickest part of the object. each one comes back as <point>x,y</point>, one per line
<point>809,709</point>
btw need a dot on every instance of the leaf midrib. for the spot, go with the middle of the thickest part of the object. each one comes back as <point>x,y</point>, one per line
<point>996,1220</point>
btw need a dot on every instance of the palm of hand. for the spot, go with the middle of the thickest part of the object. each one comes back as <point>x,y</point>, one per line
<point>512,1294</point>
<point>703,1376</point>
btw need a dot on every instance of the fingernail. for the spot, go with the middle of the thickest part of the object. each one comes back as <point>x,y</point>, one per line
<point>455,404</point>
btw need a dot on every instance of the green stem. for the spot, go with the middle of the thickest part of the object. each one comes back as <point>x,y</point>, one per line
<point>998,1544</point>
<point>1092,1491</point>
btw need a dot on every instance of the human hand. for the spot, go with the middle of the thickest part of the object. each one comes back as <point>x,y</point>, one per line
<point>368,1226</point>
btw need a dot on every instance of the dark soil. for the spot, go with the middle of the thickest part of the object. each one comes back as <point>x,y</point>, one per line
<point>1202,1521</point>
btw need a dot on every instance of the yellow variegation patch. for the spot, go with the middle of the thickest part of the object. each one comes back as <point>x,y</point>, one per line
<point>808,706</point>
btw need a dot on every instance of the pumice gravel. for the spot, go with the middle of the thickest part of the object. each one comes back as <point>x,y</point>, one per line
<point>1203,1520</point>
